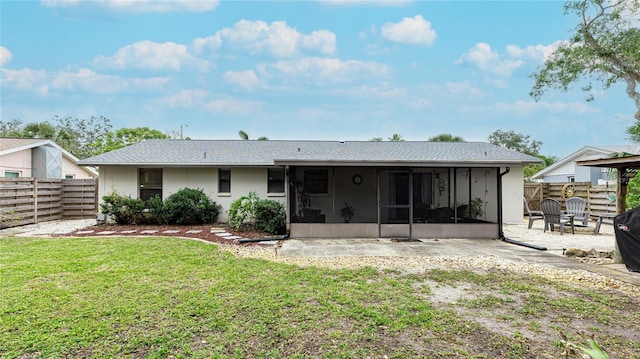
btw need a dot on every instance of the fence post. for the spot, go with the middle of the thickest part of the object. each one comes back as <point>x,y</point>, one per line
<point>35,200</point>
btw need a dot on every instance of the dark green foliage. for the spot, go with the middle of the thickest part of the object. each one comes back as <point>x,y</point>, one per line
<point>123,210</point>
<point>187,206</point>
<point>190,206</point>
<point>270,216</point>
<point>241,210</point>
<point>155,213</point>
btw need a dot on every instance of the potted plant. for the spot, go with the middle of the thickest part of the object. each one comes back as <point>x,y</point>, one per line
<point>346,213</point>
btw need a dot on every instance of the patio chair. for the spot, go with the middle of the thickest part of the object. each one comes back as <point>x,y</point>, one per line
<point>554,216</point>
<point>577,207</point>
<point>533,215</point>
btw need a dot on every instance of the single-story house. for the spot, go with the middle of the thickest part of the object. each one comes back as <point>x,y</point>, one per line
<point>41,158</point>
<point>394,189</point>
<point>567,170</point>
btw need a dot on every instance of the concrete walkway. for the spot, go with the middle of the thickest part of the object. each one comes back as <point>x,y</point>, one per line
<point>553,241</point>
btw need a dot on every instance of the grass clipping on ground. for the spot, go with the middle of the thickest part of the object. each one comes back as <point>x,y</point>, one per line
<point>164,297</point>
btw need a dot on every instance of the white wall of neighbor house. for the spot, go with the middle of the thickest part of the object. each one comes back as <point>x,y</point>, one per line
<point>512,194</point>
<point>16,162</point>
<point>21,162</point>
<point>70,169</point>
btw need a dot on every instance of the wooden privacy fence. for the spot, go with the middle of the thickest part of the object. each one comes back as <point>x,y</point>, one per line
<point>28,200</point>
<point>600,199</point>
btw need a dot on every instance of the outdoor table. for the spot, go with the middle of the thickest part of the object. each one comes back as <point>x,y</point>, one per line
<point>606,218</point>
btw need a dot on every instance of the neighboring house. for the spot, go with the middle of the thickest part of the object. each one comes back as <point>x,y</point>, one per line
<point>395,189</point>
<point>566,169</point>
<point>41,158</point>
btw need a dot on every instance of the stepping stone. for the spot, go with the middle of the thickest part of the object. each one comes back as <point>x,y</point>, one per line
<point>223,234</point>
<point>84,232</point>
<point>106,232</point>
<point>233,237</point>
<point>217,230</point>
<point>149,231</point>
<point>128,231</point>
<point>171,231</point>
<point>193,231</point>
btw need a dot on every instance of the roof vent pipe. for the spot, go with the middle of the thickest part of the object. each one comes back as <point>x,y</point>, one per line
<point>205,155</point>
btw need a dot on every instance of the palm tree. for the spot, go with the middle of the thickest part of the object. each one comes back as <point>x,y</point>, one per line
<point>245,136</point>
<point>396,138</point>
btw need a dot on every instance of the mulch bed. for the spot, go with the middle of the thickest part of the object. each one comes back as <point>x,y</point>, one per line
<point>204,234</point>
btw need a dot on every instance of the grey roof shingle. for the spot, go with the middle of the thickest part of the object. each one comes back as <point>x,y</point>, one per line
<point>265,153</point>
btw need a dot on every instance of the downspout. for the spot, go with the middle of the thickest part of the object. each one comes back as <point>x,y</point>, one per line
<point>500,231</point>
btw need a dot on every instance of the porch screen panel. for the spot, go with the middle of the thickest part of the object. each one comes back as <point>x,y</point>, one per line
<point>395,193</point>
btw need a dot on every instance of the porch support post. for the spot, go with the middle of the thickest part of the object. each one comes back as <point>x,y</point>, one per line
<point>379,202</point>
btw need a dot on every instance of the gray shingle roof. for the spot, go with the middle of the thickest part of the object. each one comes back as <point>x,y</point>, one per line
<point>266,153</point>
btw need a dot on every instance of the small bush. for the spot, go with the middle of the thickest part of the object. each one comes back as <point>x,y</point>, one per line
<point>241,210</point>
<point>123,210</point>
<point>270,216</point>
<point>155,213</point>
<point>190,206</point>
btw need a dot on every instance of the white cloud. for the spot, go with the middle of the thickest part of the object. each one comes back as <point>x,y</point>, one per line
<point>260,38</point>
<point>5,56</point>
<point>381,3</point>
<point>367,91</point>
<point>491,62</point>
<point>463,88</point>
<point>536,52</point>
<point>322,71</point>
<point>482,57</point>
<point>528,107</point>
<point>411,30</point>
<point>186,98</point>
<point>150,55</point>
<point>247,80</point>
<point>138,6</point>
<point>202,99</point>
<point>85,80</point>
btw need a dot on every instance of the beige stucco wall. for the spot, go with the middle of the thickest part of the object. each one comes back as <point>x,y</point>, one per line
<point>16,162</point>
<point>512,194</point>
<point>124,180</point>
<point>21,162</point>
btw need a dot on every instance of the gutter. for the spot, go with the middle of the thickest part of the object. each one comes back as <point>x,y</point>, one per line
<point>500,231</point>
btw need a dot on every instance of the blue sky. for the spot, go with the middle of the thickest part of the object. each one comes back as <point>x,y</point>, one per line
<point>329,70</point>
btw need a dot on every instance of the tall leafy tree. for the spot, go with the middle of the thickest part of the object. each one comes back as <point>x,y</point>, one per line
<point>11,128</point>
<point>80,135</point>
<point>515,141</point>
<point>445,137</point>
<point>605,48</point>
<point>126,136</point>
<point>523,144</point>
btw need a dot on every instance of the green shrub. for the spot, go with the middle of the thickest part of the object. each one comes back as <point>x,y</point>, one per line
<point>270,216</point>
<point>241,210</point>
<point>155,213</point>
<point>123,210</point>
<point>190,206</point>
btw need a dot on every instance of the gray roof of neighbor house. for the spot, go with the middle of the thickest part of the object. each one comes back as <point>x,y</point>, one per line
<point>168,153</point>
<point>606,150</point>
<point>10,145</point>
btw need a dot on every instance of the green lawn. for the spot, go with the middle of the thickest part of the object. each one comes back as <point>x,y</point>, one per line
<point>165,297</point>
